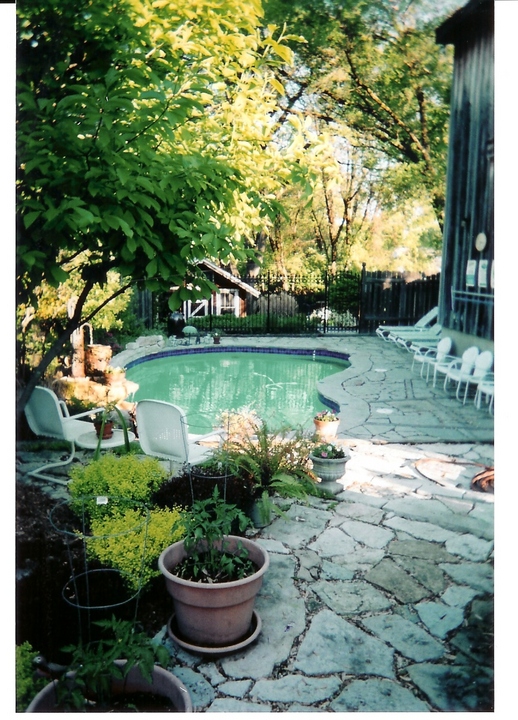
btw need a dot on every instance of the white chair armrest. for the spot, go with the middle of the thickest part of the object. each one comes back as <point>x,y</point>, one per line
<point>453,364</point>
<point>87,413</point>
<point>62,404</point>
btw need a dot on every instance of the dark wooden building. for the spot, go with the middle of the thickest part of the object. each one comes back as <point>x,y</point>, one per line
<point>466,304</point>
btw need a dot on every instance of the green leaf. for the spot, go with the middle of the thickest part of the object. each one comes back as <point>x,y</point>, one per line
<point>30,218</point>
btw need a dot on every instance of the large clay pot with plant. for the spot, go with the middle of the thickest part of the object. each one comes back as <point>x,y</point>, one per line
<point>96,681</point>
<point>163,684</point>
<point>214,605</point>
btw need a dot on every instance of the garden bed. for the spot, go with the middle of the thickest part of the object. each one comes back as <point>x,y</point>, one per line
<point>43,617</point>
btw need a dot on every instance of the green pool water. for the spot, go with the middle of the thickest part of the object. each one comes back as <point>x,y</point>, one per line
<point>280,388</point>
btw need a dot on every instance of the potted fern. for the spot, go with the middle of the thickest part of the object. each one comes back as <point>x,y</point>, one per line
<point>275,462</point>
<point>213,578</point>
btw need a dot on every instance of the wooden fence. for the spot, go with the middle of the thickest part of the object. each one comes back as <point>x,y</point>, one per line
<point>395,298</point>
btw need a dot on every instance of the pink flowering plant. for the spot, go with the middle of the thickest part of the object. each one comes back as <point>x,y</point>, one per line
<point>326,416</point>
<point>328,451</point>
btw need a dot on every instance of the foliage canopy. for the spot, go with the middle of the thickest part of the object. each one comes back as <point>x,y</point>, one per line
<point>143,141</point>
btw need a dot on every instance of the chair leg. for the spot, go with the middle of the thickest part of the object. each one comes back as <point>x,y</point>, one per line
<point>48,466</point>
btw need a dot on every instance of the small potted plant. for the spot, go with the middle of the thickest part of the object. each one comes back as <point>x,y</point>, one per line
<point>213,578</point>
<point>216,337</point>
<point>329,465</point>
<point>114,375</point>
<point>103,424</point>
<point>326,424</point>
<point>116,673</point>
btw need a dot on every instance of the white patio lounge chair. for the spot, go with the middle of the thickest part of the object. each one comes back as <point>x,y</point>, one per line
<point>425,322</point>
<point>486,388</point>
<point>406,340</point>
<point>164,433</point>
<point>49,417</point>
<point>426,356</point>
<point>463,373</point>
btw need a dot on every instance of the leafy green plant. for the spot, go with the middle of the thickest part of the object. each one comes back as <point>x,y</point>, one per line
<point>127,476</point>
<point>94,665</point>
<point>205,529</point>
<point>326,416</point>
<point>135,554</point>
<point>27,684</point>
<point>276,461</point>
<point>328,451</point>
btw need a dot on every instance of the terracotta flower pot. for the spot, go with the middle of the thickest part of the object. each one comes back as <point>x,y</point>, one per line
<point>326,428</point>
<point>107,430</point>
<point>216,615</point>
<point>163,683</point>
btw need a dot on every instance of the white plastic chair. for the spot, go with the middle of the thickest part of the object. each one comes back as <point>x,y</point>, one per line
<point>427,356</point>
<point>463,373</point>
<point>164,433</point>
<point>466,362</point>
<point>486,388</point>
<point>425,322</point>
<point>49,417</point>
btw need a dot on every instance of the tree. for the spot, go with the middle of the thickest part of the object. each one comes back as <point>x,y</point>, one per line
<point>143,143</point>
<point>374,65</point>
<point>323,220</point>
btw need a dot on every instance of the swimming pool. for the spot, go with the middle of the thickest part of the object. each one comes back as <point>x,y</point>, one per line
<point>280,386</point>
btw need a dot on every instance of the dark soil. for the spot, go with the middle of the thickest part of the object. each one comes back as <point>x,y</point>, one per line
<point>132,703</point>
<point>43,563</point>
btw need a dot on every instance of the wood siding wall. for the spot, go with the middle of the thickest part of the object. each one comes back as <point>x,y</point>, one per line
<point>467,292</point>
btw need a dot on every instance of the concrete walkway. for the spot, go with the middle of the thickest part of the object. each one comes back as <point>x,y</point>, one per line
<point>380,600</point>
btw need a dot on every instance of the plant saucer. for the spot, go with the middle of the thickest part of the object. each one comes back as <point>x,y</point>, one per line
<point>253,633</point>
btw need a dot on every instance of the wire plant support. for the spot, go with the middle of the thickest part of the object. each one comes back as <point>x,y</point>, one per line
<point>94,590</point>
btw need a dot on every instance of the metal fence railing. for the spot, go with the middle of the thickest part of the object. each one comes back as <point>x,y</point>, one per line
<point>343,301</point>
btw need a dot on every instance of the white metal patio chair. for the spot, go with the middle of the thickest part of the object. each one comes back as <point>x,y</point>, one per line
<point>48,416</point>
<point>467,362</point>
<point>468,374</point>
<point>164,433</point>
<point>486,388</point>
<point>426,356</point>
<point>426,321</point>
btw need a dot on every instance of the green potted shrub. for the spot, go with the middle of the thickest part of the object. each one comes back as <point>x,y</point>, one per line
<point>114,673</point>
<point>111,512</point>
<point>128,476</point>
<point>213,578</point>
